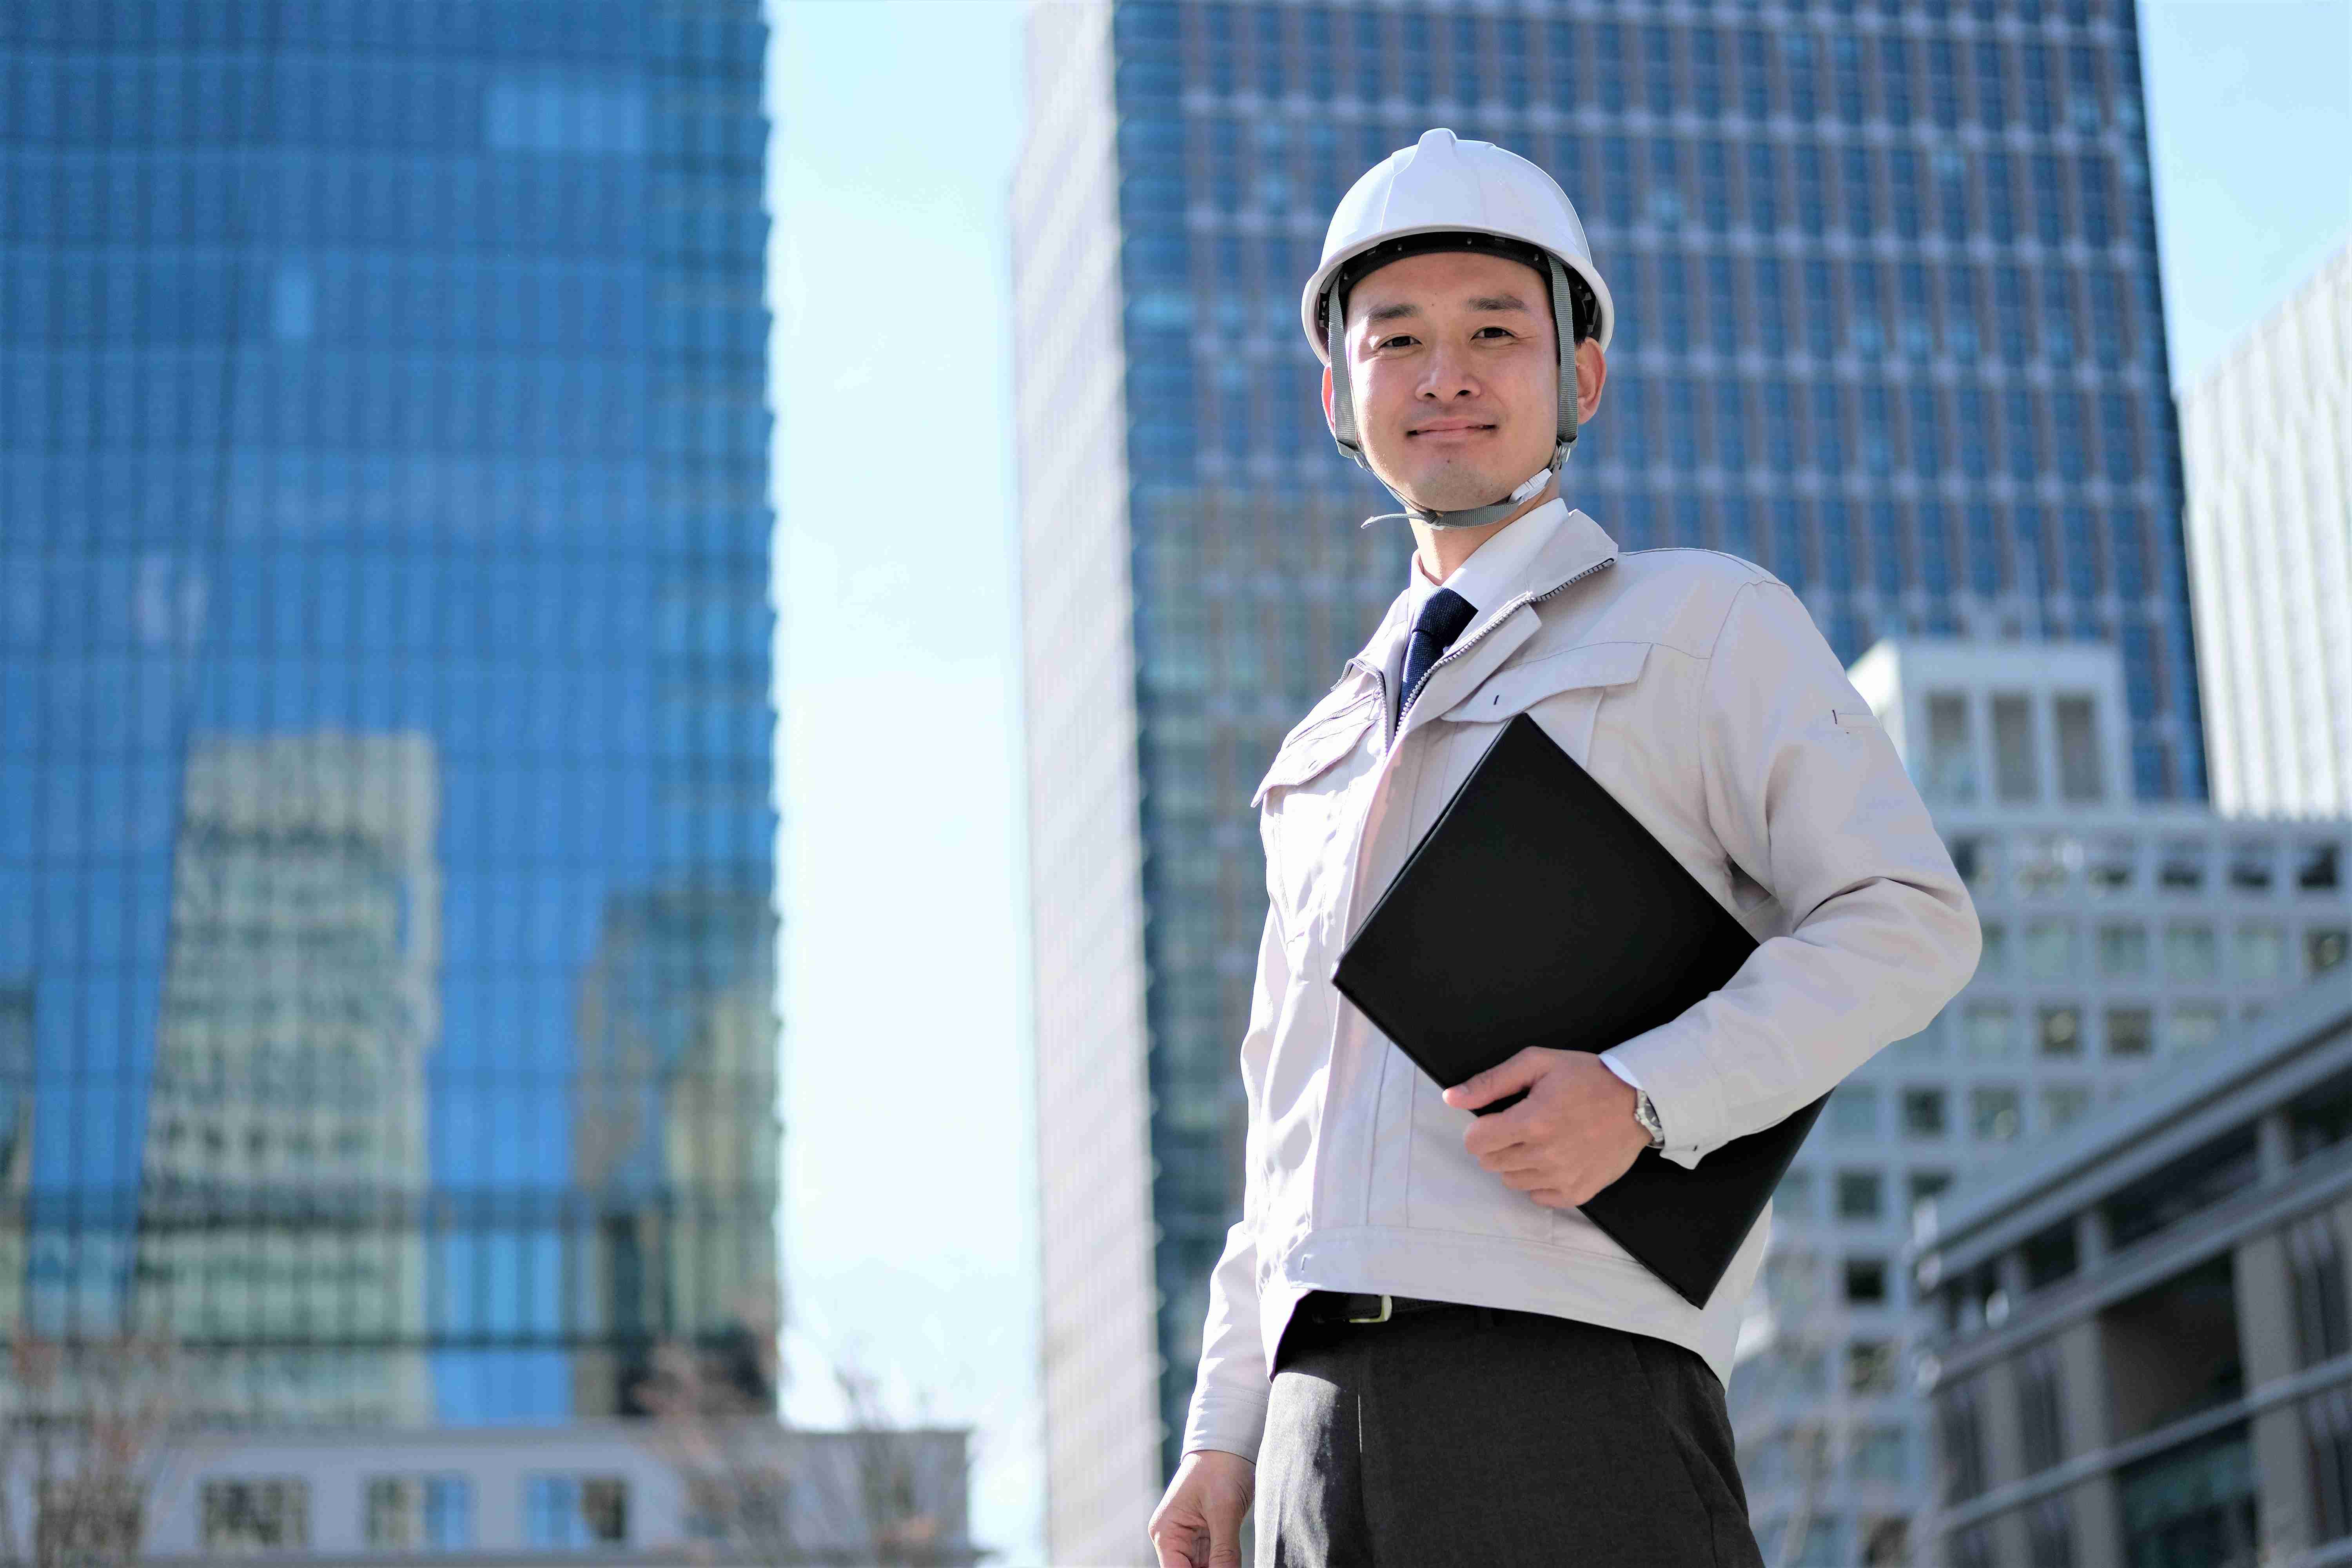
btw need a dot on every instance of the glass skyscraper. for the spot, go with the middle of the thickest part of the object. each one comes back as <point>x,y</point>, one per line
<point>385,822</point>
<point>1889,324</point>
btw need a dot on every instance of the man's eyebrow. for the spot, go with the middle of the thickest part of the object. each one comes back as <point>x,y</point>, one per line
<point>1403,309</point>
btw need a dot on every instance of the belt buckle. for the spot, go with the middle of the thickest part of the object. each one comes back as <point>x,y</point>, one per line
<point>1388,1310</point>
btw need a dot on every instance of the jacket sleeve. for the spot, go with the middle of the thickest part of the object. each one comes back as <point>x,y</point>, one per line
<point>1805,793</point>
<point>1229,1397</point>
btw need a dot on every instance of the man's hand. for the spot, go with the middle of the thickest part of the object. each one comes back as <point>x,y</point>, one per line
<point>1572,1136</point>
<point>1199,1523</point>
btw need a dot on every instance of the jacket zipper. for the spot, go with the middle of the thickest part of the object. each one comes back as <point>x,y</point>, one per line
<point>1381,679</point>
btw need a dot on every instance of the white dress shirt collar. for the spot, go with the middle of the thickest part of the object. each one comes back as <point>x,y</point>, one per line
<point>1486,579</point>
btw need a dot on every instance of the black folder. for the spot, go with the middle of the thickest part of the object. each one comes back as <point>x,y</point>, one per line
<point>1538,911</point>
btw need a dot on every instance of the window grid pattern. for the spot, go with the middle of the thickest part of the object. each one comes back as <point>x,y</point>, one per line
<point>385,819</point>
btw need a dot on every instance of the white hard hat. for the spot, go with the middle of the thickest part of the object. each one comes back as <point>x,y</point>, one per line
<point>1445,193</point>
<point>1442,184</point>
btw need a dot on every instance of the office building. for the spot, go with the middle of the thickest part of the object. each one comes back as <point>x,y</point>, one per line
<point>385,820</point>
<point>2266,445</point>
<point>1889,324</point>
<point>2141,1351</point>
<point>620,1492</point>
<point>2120,939</point>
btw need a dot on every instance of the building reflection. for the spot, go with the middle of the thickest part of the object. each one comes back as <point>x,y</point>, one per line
<point>284,1167</point>
<point>675,1134</point>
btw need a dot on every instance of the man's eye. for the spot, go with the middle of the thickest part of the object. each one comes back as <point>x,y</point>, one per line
<point>1386,342</point>
<point>1504,330</point>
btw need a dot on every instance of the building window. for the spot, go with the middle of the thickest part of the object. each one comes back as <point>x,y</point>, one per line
<point>1994,959</point>
<point>2190,954</point>
<point>1870,1367</point>
<point>1853,1110</point>
<point>2059,1030</point>
<point>1794,1196</point>
<point>2251,865</point>
<point>2078,752</point>
<point>1881,1454</point>
<point>1923,1112</point>
<point>2181,869</point>
<point>2321,1327</point>
<point>1951,752</point>
<point>2040,1408</point>
<point>256,1514</point>
<point>2050,949</point>
<point>2261,952</point>
<point>2050,1534</point>
<point>2122,951</point>
<point>91,1521</point>
<point>1886,1539</point>
<point>1961,1433</point>
<point>1989,1030</point>
<point>2109,870</point>
<point>1859,1194</point>
<point>2316,869</point>
<point>2065,1104</point>
<point>1993,1113</point>
<point>1865,1281</point>
<point>575,1511</point>
<point>2015,777</point>
<point>2323,947</point>
<point>2194,1026</point>
<point>2327,1427</point>
<point>1926,1185</point>
<point>435,1513</point>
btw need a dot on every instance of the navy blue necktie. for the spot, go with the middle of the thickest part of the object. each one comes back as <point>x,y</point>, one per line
<point>1442,619</point>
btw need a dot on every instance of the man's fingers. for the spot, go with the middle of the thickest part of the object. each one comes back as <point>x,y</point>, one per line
<point>1224,1537</point>
<point>1498,1081</point>
<point>1172,1545</point>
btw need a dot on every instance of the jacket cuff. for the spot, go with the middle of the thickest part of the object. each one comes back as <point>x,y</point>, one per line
<point>1681,1084</point>
<point>1685,1158</point>
<point>1227,1420</point>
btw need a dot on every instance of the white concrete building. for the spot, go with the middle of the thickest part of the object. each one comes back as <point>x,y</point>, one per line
<point>2266,448</point>
<point>1101,1372</point>
<point>2118,937</point>
<point>611,1491</point>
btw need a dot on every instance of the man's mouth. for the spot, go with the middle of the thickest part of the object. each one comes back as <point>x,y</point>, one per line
<point>1452,428</point>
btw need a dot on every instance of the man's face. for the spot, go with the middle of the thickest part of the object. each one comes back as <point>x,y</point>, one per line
<point>1454,374</point>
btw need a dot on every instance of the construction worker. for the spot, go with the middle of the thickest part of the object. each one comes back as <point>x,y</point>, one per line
<point>1418,1351</point>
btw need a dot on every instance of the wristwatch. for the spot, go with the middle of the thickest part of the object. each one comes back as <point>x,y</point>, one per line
<point>1647,1115</point>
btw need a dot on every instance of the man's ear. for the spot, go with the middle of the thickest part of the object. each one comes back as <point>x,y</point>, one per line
<point>1591,375</point>
<point>1327,418</point>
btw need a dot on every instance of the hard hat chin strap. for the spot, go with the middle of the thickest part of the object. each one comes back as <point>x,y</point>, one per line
<point>1343,416</point>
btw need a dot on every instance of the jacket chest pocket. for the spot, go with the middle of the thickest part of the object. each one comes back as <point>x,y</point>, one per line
<point>1561,691</point>
<point>1308,806</point>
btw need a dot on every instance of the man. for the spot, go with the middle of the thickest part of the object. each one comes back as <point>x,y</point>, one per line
<point>1418,1351</point>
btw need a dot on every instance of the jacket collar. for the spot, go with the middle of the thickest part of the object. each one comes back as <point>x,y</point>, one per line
<point>1577,546</point>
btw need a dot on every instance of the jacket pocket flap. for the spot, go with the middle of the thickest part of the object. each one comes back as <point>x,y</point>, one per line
<point>1517,688</point>
<point>1317,745</point>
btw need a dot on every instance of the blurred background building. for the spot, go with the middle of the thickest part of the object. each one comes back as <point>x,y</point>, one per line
<point>2140,1351</point>
<point>2123,940</point>
<point>386,839</point>
<point>1890,324</point>
<point>2267,446</point>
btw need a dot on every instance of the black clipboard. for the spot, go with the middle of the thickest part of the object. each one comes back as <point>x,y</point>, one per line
<point>1538,911</point>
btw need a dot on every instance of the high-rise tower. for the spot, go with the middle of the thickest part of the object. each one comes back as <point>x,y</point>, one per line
<point>1889,324</point>
<point>386,832</point>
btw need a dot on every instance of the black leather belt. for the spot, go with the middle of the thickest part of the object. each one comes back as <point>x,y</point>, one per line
<point>1344,1307</point>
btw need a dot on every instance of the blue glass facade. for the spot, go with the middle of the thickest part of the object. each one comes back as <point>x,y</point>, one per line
<point>1889,324</point>
<point>385,820</point>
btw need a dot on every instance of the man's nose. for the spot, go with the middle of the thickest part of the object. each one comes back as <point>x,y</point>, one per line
<point>1447,376</point>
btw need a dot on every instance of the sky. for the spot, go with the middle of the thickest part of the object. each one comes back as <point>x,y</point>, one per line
<point>908,1224</point>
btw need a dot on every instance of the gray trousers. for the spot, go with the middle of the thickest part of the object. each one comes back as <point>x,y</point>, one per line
<point>1495,1439</point>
